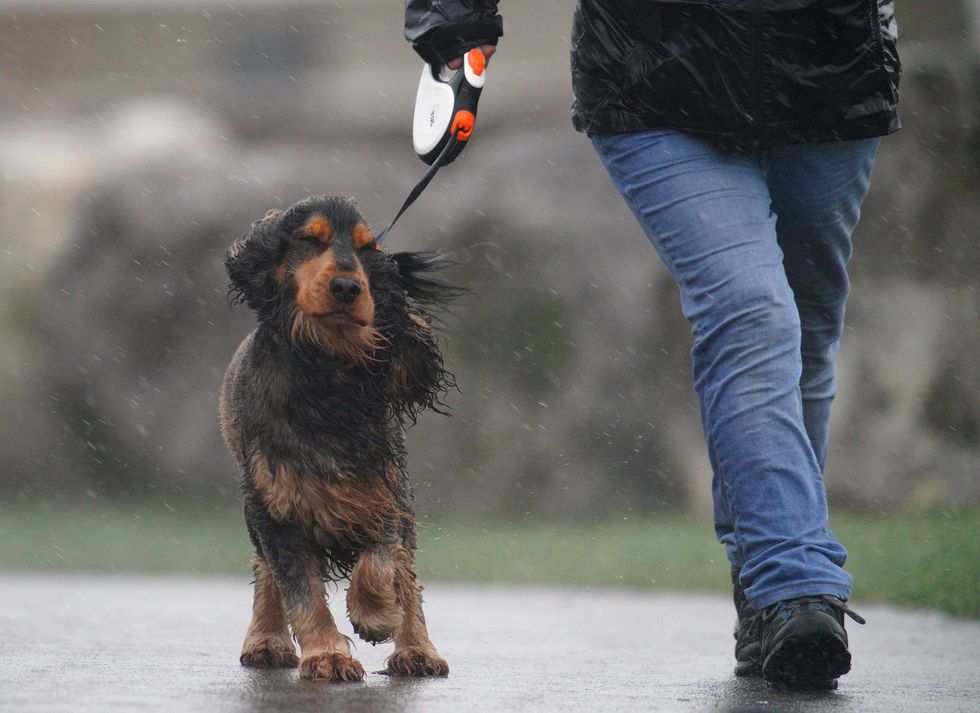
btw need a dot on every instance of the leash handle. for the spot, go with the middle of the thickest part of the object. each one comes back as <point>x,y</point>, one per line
<point>445,115</point>
<point>447,99</point>
<point>440,161</point>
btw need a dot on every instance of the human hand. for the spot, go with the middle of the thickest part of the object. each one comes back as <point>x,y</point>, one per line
<point>487,50</point>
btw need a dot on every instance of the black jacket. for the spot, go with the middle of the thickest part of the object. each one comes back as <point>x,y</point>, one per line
<point>442,30</point>
<point>747,71</point>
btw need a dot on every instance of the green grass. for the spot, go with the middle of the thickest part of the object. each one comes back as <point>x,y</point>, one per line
<point>124,537</point>
<point>923,560</point>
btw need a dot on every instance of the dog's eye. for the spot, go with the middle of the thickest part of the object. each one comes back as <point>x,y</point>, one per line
<point>308,240</point>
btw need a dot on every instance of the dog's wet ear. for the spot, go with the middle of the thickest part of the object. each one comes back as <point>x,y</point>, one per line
<point>252,260</point>
<point>413,269</point>
<point>271,214</point>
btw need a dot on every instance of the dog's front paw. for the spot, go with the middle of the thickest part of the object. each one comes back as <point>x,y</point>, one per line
<point>416,661</point>
<point>372,604</point>
<point>333,667</point>
<point>375,630</point>
<point>268,651</point>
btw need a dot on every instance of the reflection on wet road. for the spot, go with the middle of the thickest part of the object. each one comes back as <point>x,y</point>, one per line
<point>94,643</point>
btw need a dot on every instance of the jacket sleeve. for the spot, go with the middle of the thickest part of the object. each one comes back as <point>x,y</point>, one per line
<point>442,30</point>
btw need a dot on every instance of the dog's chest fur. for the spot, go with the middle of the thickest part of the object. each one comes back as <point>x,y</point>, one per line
<point>318,442</point>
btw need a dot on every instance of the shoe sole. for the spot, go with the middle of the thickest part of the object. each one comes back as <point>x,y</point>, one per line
<point>746,669</point>
<point>807,661</point>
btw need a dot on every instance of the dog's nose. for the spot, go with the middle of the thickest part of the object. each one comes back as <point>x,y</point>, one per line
<point>344,289</point>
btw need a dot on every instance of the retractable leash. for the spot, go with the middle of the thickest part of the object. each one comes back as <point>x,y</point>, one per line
<point>445,114</point>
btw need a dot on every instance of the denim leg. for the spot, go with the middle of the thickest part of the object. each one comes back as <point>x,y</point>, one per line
<point>817,191</point>
<point>707,213</point>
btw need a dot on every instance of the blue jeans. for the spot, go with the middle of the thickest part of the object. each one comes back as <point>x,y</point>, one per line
<point>758,242</point>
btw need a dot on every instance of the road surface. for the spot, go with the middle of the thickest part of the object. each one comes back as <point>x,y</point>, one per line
<point>100,643</point>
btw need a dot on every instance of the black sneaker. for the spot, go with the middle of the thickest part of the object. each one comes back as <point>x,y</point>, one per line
<point>804,645</point>
<point>748,661</point>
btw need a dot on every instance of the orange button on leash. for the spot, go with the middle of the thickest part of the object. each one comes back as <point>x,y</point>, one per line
<point>463,123</point>
<point>478,61</point>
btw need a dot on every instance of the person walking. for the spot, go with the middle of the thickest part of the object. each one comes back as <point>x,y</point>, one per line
<point>742,135</point>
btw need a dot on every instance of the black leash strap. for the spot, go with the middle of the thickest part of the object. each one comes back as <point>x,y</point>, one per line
<point>420,186</point>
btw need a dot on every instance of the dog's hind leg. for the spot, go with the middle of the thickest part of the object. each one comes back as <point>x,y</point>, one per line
<point>267,643</point>
<point>325,652</point>
<point>372,604</point>
<point>415,654</point>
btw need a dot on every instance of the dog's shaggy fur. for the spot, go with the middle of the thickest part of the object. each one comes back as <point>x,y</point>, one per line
<point>313,407</point>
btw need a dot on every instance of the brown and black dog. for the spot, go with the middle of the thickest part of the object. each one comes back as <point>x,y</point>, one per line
<point>313,407</point>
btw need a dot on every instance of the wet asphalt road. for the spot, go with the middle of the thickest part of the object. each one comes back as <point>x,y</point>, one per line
<point>172,644</point>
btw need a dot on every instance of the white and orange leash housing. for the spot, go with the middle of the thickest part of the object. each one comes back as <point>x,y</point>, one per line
<point>445,115</point>
<point>445,106</point>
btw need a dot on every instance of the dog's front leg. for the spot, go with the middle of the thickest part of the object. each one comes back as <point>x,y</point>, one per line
<point>415,654</point>
<point>372,603</point>
<point>324,651</point>
<point>267,643</point>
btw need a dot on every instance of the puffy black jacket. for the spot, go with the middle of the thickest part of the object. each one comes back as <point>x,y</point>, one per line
<point>748,71</point>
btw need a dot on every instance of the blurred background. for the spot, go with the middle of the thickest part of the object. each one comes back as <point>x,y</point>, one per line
<point>139,139</point>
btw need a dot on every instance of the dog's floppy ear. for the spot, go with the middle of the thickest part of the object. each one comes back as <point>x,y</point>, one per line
<point>428,292</point>
<point>252,260</point>
<point>419,379</point>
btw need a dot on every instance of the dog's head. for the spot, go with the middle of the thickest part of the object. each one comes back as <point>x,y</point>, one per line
<point>307,271</point>
<point>315,275</point>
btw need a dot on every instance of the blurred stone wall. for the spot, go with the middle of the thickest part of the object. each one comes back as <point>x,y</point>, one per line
<point>139,139</point>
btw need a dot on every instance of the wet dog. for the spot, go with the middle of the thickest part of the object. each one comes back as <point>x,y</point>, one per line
<point>313,407</point>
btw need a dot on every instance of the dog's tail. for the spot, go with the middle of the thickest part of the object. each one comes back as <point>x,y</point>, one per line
<point>429,292</point>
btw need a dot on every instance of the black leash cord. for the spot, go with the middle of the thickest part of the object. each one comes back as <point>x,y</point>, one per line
<point>420,186</point>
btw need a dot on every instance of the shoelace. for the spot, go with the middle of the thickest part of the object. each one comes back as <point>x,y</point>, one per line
<point>839,604</point>
<point>825,599</point>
